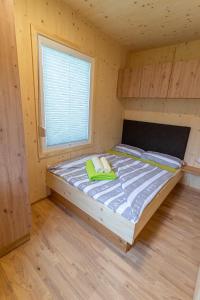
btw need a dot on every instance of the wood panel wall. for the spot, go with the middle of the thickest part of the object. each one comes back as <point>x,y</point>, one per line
<point>14,203</point>
<point>57,18</point>
<point>184,112</point>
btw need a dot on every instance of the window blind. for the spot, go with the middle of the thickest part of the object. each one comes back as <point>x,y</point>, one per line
<point>66,96</point>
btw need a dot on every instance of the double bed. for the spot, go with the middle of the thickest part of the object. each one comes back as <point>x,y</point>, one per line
<point>120,208</point>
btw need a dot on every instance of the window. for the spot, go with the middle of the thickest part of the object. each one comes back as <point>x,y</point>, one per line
<point>65,95</point>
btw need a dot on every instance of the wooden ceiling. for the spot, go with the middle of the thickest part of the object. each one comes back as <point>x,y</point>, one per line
<point>142,24</point>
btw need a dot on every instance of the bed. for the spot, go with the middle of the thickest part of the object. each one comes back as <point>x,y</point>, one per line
<point>114,208</point>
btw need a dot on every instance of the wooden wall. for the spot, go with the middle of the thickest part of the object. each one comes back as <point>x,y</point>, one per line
<point>169,111</point>
<point>56,17</point>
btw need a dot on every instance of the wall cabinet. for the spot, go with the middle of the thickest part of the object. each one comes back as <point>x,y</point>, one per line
<point>165,80</point>
<point>14,203</point>
<point>155,80</point>
<point>129,82</point>
<point>185,80</point>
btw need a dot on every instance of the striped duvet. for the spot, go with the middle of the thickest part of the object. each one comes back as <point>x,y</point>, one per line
<point>136,186</point>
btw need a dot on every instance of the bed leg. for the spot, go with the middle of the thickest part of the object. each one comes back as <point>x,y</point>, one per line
<point>125,246</point>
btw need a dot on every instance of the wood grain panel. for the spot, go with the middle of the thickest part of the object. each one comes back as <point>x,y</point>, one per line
<point>149,81</point>
<point>129,82</point>
<point>135,82</point>
<point>155,80</point>
<point>185,80</point>
<point>14,204</point>
<point>143,24</point>
<point>159,82</point>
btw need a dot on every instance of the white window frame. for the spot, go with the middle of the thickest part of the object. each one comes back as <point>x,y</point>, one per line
<point>46,150</point>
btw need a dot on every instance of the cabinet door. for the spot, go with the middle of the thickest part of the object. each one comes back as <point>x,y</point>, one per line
<point>155,80</point>
<point>14,204</point>
<point>146,80</point>
<point>129,82</point>
<point>185,80</point>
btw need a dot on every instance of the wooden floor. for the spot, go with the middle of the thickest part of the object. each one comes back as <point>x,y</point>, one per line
<point>66,259</point>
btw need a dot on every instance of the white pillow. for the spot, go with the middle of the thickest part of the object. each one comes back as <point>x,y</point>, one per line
<point>163,159</point>
<point>129,150</point>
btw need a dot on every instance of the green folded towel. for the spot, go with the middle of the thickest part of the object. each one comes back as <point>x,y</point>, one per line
<point>93,175</point>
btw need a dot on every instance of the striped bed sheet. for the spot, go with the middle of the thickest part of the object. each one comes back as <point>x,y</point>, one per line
<point>128,195</point>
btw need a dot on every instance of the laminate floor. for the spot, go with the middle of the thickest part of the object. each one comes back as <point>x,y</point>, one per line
<point>67,259</point>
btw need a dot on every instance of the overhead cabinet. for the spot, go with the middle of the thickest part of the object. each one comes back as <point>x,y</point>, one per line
<point>129,82</point>
<point>155,80</point>
<point>164,80</point>
<point>185,80</point>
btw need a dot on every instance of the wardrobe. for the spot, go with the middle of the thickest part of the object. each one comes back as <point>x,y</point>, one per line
<point>15,218</point>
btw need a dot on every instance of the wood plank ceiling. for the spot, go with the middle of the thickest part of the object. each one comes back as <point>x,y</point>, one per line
<point>142,24</point>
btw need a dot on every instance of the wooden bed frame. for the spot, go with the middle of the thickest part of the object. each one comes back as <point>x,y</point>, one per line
<point>168,139</point>
<point>112,225</point>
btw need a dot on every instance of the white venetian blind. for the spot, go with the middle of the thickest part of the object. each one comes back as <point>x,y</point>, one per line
<point>65,89</point>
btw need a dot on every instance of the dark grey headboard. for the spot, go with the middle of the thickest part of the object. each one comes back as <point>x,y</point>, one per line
<point>168,139</point>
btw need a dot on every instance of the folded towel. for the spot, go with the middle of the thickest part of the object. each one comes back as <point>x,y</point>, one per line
<point>97,164</point>
<point>106,165</point>
<point>93,175</point>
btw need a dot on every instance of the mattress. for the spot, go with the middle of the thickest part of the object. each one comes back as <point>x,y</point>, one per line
<point>128,195</point>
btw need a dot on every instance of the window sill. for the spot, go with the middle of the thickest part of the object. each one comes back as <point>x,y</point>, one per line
<point>62,151</point>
